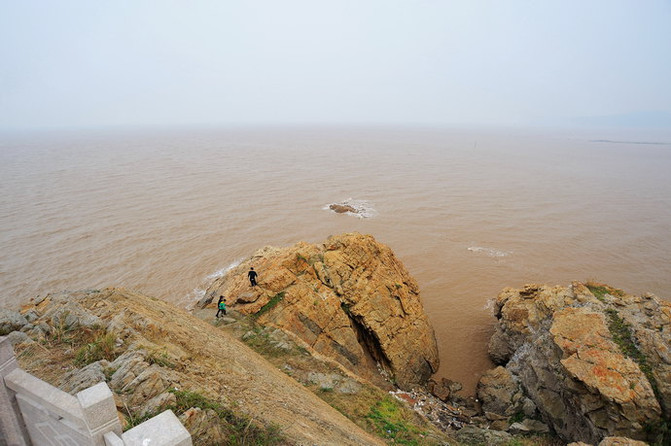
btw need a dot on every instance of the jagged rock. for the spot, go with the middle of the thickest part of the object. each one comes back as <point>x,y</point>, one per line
<point>528,426</point>
<point>499,392</point>
<point>558,343</point>
<point>444,389</point>
<point>146,385</point>
<point>18,337</point>
<point>158,403</point>
<point>71,316</point>
<point>80,379</point>
<point>127,367</point>
<point>205,301</point>
<point>204,425</point>
<point>31,315</point>
<point>500,425</point>
<point>11,321</point>
<point>621,441</point>
<point>476,435</point>
<point>348,298</point>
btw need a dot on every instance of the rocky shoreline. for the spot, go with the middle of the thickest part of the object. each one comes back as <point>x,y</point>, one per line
<point>333,347</point>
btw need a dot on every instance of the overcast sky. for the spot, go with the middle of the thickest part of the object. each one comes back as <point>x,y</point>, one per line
<point>100,63</point>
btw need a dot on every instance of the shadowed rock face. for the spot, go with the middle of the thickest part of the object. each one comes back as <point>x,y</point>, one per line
<point>595,361</point>
<point>349,298</point>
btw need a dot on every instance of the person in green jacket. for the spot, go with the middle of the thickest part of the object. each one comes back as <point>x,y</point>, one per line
<point>221,305</point>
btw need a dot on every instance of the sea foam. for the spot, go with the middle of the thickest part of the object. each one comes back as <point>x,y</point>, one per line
<point>490,252</point>
<point>199,292</point>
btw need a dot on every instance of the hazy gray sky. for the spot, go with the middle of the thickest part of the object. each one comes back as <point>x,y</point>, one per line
<point>94,63</point>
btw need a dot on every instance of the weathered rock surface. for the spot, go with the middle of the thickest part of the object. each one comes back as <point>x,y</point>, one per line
<point>595,361</point>
<point>479,436</point>
<point>348,298</point>
<point>11,321</point>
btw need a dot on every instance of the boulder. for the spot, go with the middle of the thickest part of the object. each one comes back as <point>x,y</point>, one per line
<point>204,425</point>
<point>478,436</point>
<point>528,426</point>
<point>19,337</point>
<point>621,441</point>
<point>85,377</point>
<point>499,392</point>
<point>444,389</point>
<point>11,321</point>
<point>348,298</point>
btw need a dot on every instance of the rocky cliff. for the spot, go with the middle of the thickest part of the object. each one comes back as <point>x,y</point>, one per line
<point>348,298</point>
<point>589,360</point>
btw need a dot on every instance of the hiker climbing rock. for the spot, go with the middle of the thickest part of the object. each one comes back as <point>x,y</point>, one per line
<point>221,305</point>
<point>252,276</point>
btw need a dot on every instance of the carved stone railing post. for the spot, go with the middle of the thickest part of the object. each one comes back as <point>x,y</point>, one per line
<point>99,411</point>
<point>11,421</point>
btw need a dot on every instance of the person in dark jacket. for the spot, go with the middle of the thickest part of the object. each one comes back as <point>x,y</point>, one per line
<point>252,276</point>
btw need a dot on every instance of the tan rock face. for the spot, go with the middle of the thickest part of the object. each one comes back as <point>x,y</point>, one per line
<point>593,359</point>
<point>349,298</point>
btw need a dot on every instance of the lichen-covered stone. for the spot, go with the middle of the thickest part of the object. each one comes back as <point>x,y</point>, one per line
<point>566,348</point>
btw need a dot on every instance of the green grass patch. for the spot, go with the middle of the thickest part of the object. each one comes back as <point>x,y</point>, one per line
<point>600,291</point>
<point>101,347</point>
<point>624,338</point>
<point>388,421</point>
<point>270,305</point>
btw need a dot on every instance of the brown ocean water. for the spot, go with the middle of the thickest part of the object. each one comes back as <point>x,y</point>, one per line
<point>468,212</point>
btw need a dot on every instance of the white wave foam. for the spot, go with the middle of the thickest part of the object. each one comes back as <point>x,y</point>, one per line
<point>363,208</point>
<point>222,272</point>
<point>198,293</point>
<point>490,252</point>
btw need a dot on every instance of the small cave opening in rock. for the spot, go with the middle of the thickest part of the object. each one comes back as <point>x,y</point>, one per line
<point>368,340</point>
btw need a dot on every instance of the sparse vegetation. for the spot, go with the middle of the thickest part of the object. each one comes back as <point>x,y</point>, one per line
<point>269,306</point>
<point>101,347</point>
<point>388,421</point>
<point>600,290</point>
<point>659,434</point>
<point>160,358</point>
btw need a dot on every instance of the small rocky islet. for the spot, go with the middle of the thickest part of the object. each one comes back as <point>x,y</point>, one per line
<point>333,347</point>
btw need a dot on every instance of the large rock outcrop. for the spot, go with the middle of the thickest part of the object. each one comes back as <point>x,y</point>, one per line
<point>595,361</point>
<point>348,298</point>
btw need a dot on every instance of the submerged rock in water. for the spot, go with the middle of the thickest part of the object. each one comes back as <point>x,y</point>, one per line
<point>342,208</point>
<point>595,361</point>
<point>348,298</point>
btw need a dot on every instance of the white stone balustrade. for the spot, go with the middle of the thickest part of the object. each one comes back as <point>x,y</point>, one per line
<point>33,412</point>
